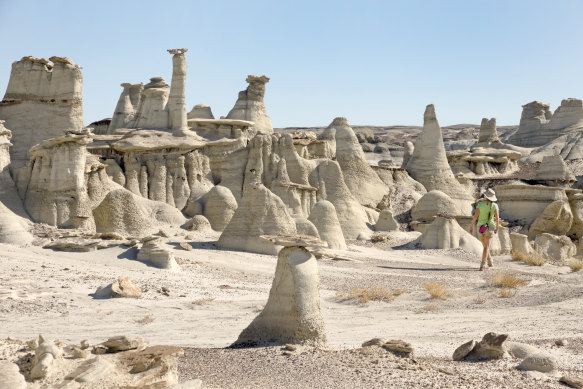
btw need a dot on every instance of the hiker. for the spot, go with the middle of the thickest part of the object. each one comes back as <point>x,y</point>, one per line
<point>486,211</point>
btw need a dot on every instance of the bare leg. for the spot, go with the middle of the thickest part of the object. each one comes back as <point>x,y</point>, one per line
<point>486,252</point>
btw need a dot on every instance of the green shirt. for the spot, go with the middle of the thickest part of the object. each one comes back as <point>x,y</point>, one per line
<point>484,207</point>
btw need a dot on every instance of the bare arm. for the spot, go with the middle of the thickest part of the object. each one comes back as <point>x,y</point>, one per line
<point>474,219</point>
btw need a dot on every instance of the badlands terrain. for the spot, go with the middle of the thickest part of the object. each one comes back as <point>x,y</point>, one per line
<point>166,248</point>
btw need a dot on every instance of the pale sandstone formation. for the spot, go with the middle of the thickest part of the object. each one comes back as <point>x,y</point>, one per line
<point>324,217</point>
<point>404,192</point>
<point>292,313</point>
<point>488,133</point>
<point>55,191</point>
<point>484,161</point>
<point>10,377</point>
<point>250,106</point>
<point>539,362</point>
<point>152,112</point>
<point>44,355</point>
<point>364,184</point>
<point>305,227</point>
<point>43,98</point>
<point>218,205</point>
<point>115,172</point>
<point>429,165</point>
<point>575,198</point>
<point>553,168</point>
<point>13,229</point>
<point>260,212</point>
<point>538,127</point>
<point>520,243</point>
<point>154,254</point>
<point>351,215</point>
<point>123,287</point>
<point>435,203</point>
<point>556,249</point>
<point>446,233</point>
<point>124,213</point>
<point>524,203</point>
<point>492,346</point>
<point>127,106</point>
<point>200,111</point>
<point>177,96</point>
<point>568,146</point>
<point>198,223</point>
<point>5,137</point>
<point>408,152</point>
<point>386,221</point>
<point>221,129</point>
<point>555,219</point>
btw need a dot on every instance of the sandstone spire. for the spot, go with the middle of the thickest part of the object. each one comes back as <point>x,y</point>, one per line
<point>177,97</point>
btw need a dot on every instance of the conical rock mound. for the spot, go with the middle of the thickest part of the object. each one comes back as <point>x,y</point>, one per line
<point>324,217</point>
<point>429,165</point>
<point>446,233</point>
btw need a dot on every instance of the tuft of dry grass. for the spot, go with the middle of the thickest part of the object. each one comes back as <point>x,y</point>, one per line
<point>480,299</point>
<point>438,291</point>
<point>429,308</point>
<point>576,264</point>
<point>363,295</point>
<point>502,279</point>
<point>146,319</point>
<point>533,258</point>
<point>203,301</point>
<point>506,292</point>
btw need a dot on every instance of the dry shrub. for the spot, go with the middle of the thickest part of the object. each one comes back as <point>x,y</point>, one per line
<point>378,237</point>
<point>146,319</point>
<point>365,294</point>
<point>203,301</point>
<point>506,292</point>
<point>438,291</point>
<point>481,299</point>
<point>428,308</point>
<point>576,264</point>
<point>502,279</point>
<point>533,258</point>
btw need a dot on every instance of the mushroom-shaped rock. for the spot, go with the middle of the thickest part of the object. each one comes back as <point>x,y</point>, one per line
<point>446,233</point>
<point>292,313</point>
<point>260,212</point>
<point>324,217</point>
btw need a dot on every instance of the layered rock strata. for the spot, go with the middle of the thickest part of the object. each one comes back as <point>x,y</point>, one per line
<point>250,106</point>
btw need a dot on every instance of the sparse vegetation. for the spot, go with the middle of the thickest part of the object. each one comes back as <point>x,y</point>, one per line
<point>438,291</point>
<point>146,319</point>
<point>428,308</point>
<point>533,258</point>
<point>203,301</point>
<point>379,237</point>
<point>506,292</point>
<point>363,295</point>
<point>481,299</point>
<point>576,264</point>
<point>502,279</point>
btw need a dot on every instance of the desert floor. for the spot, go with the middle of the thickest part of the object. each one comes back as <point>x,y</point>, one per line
<point>217,294</point>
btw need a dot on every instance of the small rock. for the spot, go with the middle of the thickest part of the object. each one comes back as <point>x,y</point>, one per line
<point>163,233</point>
<point>123,287</point>
<point>84,344</point>
<point>165,290</point>
<point>124,343</point>
<point>539,362</point>
<point>290,347</point>
<point>562,342</point>
<point>288,353</point>
<point>99,350</point>
<point>374,342</point>
<point>186,246</point>
<point>445,371</point>
<point>462,351</point>
<point>398,346</point>
<point>79,353</point>
<point>491,346</point>
<point>535,375</point>
<point>32,344</point>
<point>573,382</point>
<point>189,237</point>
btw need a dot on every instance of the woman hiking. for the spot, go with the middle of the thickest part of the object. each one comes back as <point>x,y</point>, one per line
<point>486,212</point>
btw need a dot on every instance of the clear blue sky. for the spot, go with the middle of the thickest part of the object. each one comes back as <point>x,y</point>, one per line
<point>375,62</point>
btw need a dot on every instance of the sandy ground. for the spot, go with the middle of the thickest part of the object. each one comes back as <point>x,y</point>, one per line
<point>217,294</point>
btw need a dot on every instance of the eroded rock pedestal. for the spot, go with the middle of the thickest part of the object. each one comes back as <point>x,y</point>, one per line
<point>292,313</point>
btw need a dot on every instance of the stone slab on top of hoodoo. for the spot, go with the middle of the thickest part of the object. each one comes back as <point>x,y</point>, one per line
<point>250,106</point>
<point>429,165</point>
<point>360,178</point>
<point>292,313</point>
<point>260,212</point>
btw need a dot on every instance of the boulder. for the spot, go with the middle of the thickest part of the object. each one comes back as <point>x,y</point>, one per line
<point>556,219</point>
<point>218,205</point>
<point>520,243</point>
<point>123,343</point>
<point>292,313</point>
<point>10,377</point>
<point>123,287</point>
<point>464,350</point>
<point>399,347</point>
<point>198,223</point>
<point>576,204</point>
<point>446,233</point>
<point>386,221</point>
<point>492,346</point>
<point>153,254</point>
<point>305,227</point>
<point>323,215</point>
<point>521,350</point>
<point>574,382</point>
<point>435,203</point>
<point>556,249</point>
<point>539,362</point>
